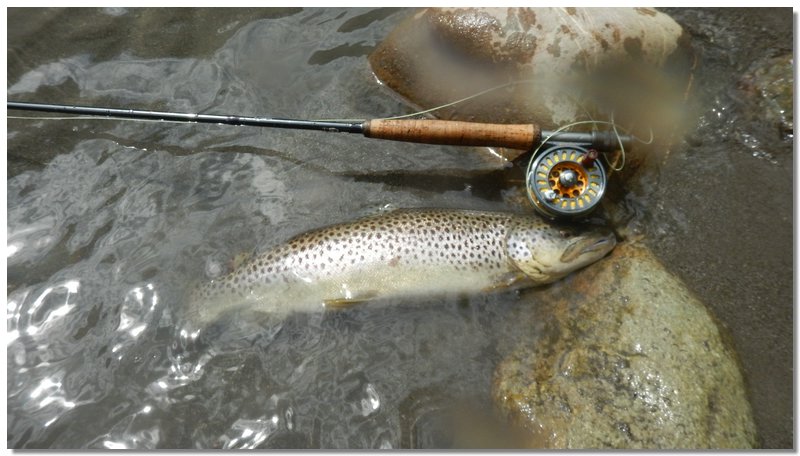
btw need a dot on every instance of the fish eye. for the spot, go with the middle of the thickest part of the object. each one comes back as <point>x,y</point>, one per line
<point>565,234</point>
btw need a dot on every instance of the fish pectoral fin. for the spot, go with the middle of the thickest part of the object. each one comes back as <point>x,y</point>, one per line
<point>509,280</point>
<point>344,303</point>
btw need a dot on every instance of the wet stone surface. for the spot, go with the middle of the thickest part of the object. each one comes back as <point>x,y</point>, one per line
<point>624,356</point>
<point>771,83</point>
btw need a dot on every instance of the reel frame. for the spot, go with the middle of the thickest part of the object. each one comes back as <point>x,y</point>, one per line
<point>566,180</point>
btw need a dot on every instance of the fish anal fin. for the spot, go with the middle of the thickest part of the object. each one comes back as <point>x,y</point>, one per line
<point>344,303</point>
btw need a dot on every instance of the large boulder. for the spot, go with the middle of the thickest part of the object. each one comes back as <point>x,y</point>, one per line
<point>565,55</point>
<point>622,355</point>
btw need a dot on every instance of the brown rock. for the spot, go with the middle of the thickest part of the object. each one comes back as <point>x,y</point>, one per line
<point>440,55</point>
<point>624,356</point>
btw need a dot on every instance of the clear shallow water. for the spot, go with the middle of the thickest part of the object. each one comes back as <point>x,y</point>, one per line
<point>96,342</point>
<point>110,222</point>
<point>104,240</point>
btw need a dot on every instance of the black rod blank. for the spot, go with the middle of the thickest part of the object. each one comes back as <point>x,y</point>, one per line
<point>348,127</point>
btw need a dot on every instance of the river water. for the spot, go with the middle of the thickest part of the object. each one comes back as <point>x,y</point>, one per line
<point>110,222</point>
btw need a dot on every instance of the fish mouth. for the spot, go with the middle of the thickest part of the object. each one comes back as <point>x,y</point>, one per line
<point>592,246</point>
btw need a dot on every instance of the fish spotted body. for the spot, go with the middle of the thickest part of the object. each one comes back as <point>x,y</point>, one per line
<point>408,252</point>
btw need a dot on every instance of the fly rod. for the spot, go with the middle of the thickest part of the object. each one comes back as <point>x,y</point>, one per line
<point>425,131</point>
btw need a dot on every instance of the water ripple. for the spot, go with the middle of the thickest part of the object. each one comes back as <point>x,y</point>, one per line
<point>136,314</point>
<point>126,217</point>
<point>371,401</point>
<point>249,434</point>
<point>136,431</point>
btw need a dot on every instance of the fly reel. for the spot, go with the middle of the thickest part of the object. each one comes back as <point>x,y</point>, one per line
<point>566,181</point>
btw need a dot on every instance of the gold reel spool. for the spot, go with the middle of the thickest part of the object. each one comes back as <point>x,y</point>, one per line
<point>561,186</point>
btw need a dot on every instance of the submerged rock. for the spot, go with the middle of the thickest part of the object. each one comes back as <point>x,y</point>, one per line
<point>625,356</point>
<point>772,85</point>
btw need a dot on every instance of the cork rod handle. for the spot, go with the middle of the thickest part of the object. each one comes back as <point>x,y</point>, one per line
<point>454,133</point>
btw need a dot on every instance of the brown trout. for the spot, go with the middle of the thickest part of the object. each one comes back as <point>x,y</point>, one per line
<point>407,252</point>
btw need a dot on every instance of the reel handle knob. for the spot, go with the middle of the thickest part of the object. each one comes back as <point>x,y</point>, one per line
<point>455,133</point>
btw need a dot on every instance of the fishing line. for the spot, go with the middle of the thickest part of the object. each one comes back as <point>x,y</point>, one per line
<point>453,103</point>
<point>436,108</point>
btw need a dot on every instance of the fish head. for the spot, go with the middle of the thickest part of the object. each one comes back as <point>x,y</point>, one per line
<point>546,252</point>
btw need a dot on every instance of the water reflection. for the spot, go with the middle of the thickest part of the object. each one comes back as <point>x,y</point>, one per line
<point>45,312</point>
<point>136,314</point>
<point>49,391</point>
<point>371,401</point>
<point>27,241</point>
<point>249,434</point>
<point>134,432</point>
<point>48,400</point>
